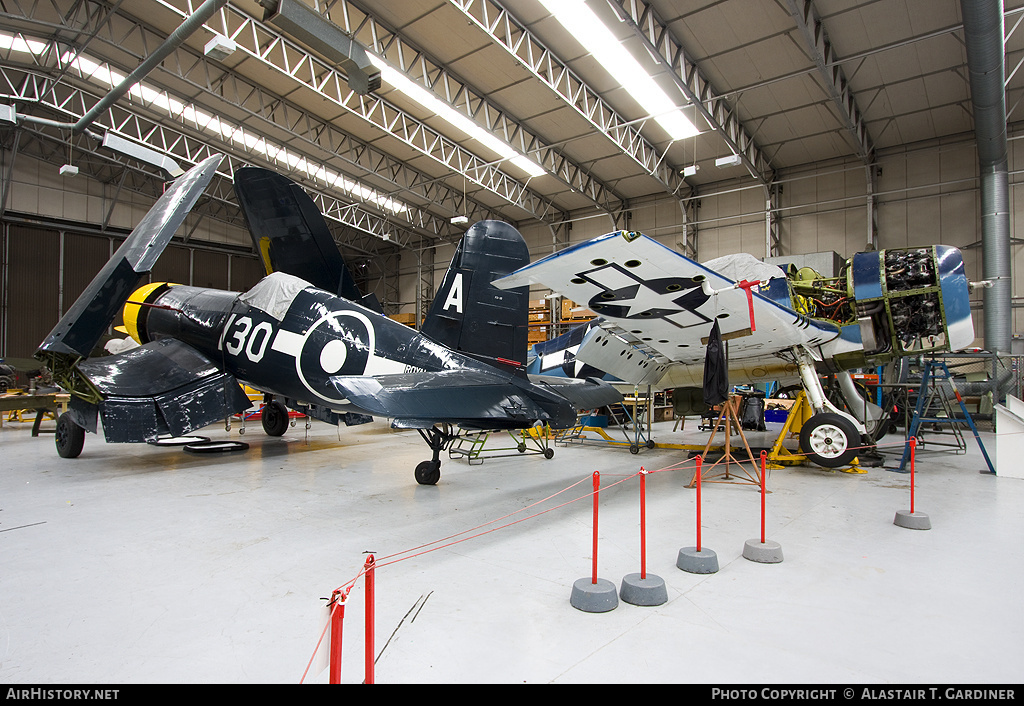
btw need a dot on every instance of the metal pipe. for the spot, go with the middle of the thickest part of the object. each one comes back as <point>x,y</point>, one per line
<point>983,38</point>
<point>173,41</point>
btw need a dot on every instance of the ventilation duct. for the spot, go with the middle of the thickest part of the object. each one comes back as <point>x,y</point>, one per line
<point>983,36</point>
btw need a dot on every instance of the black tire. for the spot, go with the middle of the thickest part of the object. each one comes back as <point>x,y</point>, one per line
<point>829,440</point>
<point>549,452</point>
<point>70,438</point>
<point>634,449</point>
<point>275,418</point>
<point>428,472</point>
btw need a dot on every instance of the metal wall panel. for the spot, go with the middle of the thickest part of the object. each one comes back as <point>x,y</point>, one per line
<point>209,269</point>
<point>245,272</point>
<point>173,266</point>
<point>32,288</point>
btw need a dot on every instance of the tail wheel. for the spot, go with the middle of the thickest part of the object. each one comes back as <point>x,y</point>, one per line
<point>275,418</point>
<point>428,472</point>
<point>70,438</point>
<point>829,440</point>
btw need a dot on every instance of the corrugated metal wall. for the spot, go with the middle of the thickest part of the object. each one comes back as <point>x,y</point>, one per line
<point>43,271</point>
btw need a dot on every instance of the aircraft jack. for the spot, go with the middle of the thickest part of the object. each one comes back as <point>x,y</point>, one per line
<point>779,457</point>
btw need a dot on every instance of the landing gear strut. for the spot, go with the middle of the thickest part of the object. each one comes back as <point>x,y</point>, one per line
<point>438,439</point>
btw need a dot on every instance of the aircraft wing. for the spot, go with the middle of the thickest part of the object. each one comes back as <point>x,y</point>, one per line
<point>163,387</point>
<point>81,327</point>
<point>658,308</point>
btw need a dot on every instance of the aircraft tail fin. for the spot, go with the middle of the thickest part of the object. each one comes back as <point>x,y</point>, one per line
<point>82,326</point>
<point>291,235</point>
<point>471,315</point>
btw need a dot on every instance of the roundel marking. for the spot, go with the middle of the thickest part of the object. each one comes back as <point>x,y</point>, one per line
<point>333,356</point>
<point>338,343</point>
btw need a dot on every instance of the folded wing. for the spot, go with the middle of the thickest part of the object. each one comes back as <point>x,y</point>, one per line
<point>658,308</point>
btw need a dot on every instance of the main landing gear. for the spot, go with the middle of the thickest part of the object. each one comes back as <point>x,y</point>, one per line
<point>829,440</point>
<point>274,418</point>
<point>70,438</point>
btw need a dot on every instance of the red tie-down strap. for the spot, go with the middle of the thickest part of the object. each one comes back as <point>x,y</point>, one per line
<point>748,286</point>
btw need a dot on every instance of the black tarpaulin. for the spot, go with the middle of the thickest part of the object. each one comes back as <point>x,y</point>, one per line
<point>716,370</point>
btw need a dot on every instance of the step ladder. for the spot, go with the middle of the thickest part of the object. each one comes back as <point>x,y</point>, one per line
<point>930,393</point>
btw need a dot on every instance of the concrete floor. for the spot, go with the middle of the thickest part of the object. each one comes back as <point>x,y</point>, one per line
<point>138,564</point>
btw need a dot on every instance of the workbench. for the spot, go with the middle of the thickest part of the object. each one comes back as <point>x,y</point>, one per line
<point>53,403</point>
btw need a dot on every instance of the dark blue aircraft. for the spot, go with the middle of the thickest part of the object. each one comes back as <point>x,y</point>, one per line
<point>304,336</point>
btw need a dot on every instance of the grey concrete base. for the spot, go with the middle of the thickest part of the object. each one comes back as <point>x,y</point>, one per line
<point>912,520</point>
<point>767,552</point>
<point>704,561</point>
<point>593,597</point>
<point>643,591</point>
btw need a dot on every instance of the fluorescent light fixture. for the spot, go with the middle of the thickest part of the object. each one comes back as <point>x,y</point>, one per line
<point>396,79</point>
<point>222,129</point>
<point>8,114</point>
<point>733,160</point>
<point>69,170</point>
<point>597,39</point>
<point>459,220</point>
<point>220,47</point>
<point>690,171</point>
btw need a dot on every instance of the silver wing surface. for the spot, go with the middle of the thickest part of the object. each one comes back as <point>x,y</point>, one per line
<point>658,308</point>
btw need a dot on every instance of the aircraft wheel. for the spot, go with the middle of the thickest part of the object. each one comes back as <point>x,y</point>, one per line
<point>829,440</point>
<point>428,472</point>
<point>70,438</point>
<point>275,418</point>
<point>549,452</point>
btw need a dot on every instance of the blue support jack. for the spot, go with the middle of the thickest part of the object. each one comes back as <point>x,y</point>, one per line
<point>935,370</point>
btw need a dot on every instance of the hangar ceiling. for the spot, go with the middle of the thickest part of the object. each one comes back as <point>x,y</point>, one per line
<point>777,83</point>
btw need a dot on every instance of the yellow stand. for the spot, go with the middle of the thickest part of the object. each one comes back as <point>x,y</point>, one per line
<point>780,456</point>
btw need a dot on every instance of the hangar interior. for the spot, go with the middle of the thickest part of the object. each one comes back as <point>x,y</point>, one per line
<point>777,128</point>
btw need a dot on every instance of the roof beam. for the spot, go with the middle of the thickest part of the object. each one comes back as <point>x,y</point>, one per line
<point>508,33</point>
<point>818,47</point>
<point>446,86</point>
<point>648,26</point>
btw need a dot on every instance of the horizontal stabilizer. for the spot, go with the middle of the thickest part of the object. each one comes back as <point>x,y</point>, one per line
<point>163,387</point>
<point>82,326</point>
<point>581,394</point>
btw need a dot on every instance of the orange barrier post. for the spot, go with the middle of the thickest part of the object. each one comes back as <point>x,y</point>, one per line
<point>764,551</point>
<point>337,619</point>
<point>591,594</point>
<point>912,519</point>
<point>597,491</point>
<point>368,678</point>
<point>699,462</point>
<point>641,589</point>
